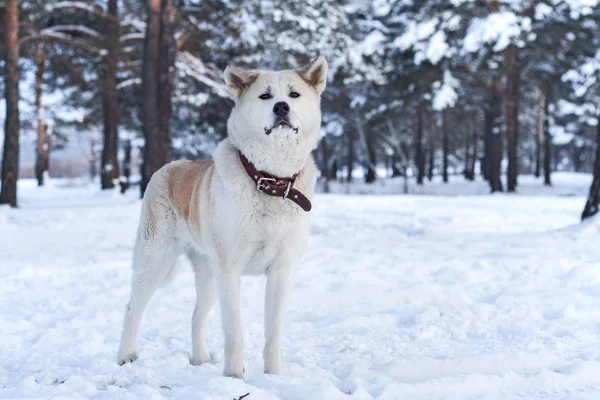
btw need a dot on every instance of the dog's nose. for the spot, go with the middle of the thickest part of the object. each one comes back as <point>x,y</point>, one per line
<point>281,108</point>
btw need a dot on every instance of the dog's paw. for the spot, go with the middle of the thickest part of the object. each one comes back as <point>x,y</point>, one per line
<point>127,358</point>
<point>201,360</point>
<point>234,374</point>
<point>272,371</point>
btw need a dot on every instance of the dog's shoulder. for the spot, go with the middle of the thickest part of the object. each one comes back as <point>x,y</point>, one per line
<point>183,179</point>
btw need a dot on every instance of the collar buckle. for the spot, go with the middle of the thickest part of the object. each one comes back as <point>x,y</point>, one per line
<point>260,185</point>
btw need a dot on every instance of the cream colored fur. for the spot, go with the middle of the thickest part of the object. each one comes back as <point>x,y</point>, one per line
<point>212,212</point>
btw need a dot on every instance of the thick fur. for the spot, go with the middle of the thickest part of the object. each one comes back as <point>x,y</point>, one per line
<point>212,212</point>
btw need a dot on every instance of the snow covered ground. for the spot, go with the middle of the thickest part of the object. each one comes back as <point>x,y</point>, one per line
<point>398,297</point>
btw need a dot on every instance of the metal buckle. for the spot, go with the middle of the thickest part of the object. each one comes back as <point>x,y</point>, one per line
<point>260,185</point>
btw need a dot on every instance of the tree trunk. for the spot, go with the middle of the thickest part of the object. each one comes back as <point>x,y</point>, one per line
<point>47,147</point>
<point>124,180</point>
<point>541,120</point>
<point>593,201</point>
<point>160,51</point>
<point>431,151</point>
<point>110,102</point>
<point>547,140</point>
<point>166,79</point>
<point>93,160</point>
<point>10,158</point>
<point>324,158</point>
<point>395,170</point>
<point>419,152</point>
<point>368,141</point>
<point>468,156</point>
<point>41,163</point>
<point>445,145</point>
<point>350,156</point>
<point>486,161</point>
<point>493,142</point>
<point>512,115</point>
<point>473,160</point>
<point>334,169</point>
<point>153,157</point>
<point>324,167</point>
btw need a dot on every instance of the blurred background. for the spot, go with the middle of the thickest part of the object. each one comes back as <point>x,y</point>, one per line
<point>432,90</point>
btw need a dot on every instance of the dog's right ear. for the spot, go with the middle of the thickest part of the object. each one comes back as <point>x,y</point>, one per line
<point>238,80</point>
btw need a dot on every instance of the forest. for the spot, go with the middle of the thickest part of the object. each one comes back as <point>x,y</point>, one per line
<point>490,88</point>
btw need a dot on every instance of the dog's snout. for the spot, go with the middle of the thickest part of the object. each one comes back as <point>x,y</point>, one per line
<point>281,108</point>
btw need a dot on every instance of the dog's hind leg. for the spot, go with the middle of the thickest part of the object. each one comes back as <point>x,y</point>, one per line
<point>206,298</point>
<point>152,262</point>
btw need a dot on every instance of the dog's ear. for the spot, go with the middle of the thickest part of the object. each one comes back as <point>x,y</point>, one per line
<point>238,80</point>
<point>315,74</point>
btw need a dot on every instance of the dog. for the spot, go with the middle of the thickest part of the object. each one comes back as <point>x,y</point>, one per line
<point>246,212</point>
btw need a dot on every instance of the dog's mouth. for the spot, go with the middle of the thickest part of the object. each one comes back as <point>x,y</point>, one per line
<point>281,123</point>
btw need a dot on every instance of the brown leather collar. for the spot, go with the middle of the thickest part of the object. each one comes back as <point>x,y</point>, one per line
<point>274,185</point>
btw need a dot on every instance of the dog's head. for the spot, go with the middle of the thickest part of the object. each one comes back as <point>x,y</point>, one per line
<point>277,114</point>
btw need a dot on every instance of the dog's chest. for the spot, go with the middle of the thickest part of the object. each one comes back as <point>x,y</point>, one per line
<point>270,236</point>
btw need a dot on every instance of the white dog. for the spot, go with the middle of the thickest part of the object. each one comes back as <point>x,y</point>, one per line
<point>246,212</point>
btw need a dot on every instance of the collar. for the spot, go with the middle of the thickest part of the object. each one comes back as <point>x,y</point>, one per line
<point>274,185</point>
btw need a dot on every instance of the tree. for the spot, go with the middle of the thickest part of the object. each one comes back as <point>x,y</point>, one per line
<point>583,80</point>
<point>157,80</point>
<point>110,101</point>
<point>593,202</point>
<point>43,140</point>
<point>10,158</point>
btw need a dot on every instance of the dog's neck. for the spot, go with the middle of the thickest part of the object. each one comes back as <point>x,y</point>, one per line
<point>273,160</point>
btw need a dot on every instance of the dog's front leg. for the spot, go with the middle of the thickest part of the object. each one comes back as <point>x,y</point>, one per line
<point>229,296</point>
<point>278,283</point>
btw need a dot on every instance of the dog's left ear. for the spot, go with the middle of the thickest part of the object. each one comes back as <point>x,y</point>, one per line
<point>238,80</point>
<point>315,74</point>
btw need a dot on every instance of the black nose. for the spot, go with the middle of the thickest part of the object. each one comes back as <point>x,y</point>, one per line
<point>281,108</point>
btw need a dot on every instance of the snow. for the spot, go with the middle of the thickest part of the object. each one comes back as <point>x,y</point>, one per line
<point>499,28</point>
<point>445,96</point>
<point>437,47</point>
<point>422,37</point>
<point>397,297</point>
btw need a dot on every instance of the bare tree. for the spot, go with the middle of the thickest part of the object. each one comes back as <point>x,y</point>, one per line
<point>10,159</point>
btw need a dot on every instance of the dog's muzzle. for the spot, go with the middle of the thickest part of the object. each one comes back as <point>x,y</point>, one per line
<point>281,122</point>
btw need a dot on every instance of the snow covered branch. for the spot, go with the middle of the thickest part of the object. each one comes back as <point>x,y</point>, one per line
<point>64,38</point>
<point>72,28</point>
<point>132,36</point>
<point>129,82</point>
<point>195,68</point>
<point>80,5</point>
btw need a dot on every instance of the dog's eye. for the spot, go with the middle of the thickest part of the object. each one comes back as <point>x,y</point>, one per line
<point>294,95</point>
<point>265,96</point>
